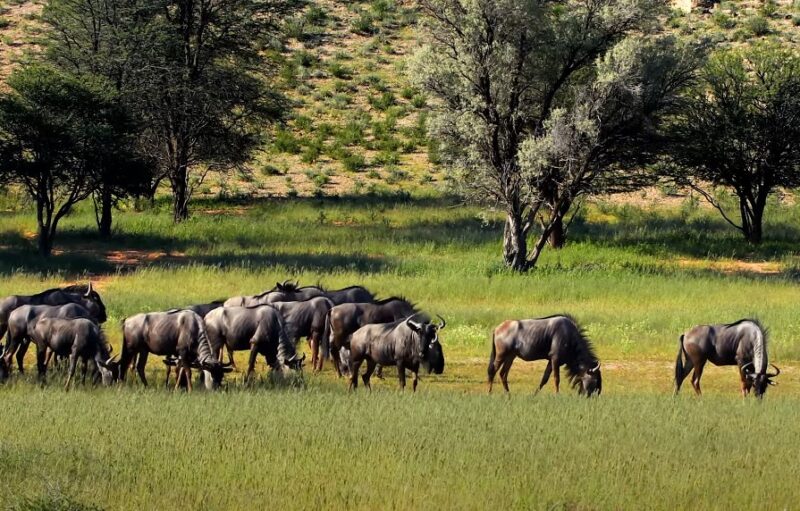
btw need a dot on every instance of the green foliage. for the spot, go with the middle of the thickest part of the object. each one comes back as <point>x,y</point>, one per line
<point>4,23</point>
<point>381,102</point>
<point>354,162</point>
<point>339,70</point>
<point>722,20</point>
<point>316,15</point>
<point>757,25</point>
<point>363,25</point>
<point>284,141</point>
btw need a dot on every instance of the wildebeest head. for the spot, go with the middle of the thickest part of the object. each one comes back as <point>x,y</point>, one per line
<point>109,370</point>
<point>430,349</point>
<point>214,373</point>
<point>94,304</point>
<point>4,372</point>
<point>294,362</point>
<point>760,381</point>
<point>590,381</point>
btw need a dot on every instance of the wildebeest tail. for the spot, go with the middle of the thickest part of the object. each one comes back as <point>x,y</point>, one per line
<point>679,362</point>
<point>326,333</point>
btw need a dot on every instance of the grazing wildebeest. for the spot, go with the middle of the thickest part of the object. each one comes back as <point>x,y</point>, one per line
<point>743,343</point>
<point>84,295</point>
<point>202,309</point>
<point>306,319</point>
<point>405,344</point>
<point>75,338</point>
<point>286,292</point>
<point>23,320</point>
<point>344,319</point>
<point>260,329</point>
<point>180,333</point>
<point>557,339</point>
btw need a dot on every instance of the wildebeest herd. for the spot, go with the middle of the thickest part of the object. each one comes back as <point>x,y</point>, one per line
<point>350,326</point>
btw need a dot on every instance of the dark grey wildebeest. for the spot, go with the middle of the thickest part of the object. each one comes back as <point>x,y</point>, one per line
<point>23,320</point>
<point>259,329</point>
<point>286,292</point>
<point>74,338</point>
<point>202,309</point>
<point>743,344</point>
<point>306,319</point>
<point>344,319</point>
<point>557,339</point>
<point>84,295</point>
<point>176,333</point>
<point>406,344</point>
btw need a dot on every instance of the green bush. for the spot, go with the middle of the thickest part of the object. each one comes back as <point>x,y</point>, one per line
<point>339,70</point>
<point>285,142</point>
<point>4,23</point>
<point>363,25</point>
<point>312,151</point>
<point>295,29</point>
<point>768,8</point>
<point>419,101</point>
<point>722,20</point>
<point>305,58</point>
<point>270,170</point>
<point>316,15</point>
<point>408,92</point>
<point>382,102</point>
<point>758,25</point>
<point>387,158</point>
<point>303,122</point>
<point>354,162</point>
<point>351,133</point>
<point>796,20</point>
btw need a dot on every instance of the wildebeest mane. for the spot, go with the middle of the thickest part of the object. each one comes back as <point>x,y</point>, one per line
<point>755,321</point>
<point>74,288</point>
<point>582,349</point>
<point>384,301</point>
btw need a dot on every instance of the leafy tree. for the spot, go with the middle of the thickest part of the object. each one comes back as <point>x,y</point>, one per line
<point>203,92</point>
<point>57,134</point>
<point>104,38</point>
<point>740,131</point>
<point>556,78</point>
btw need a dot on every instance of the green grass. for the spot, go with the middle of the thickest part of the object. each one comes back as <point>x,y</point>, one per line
<point>624,275</point>
<point>325,449</point>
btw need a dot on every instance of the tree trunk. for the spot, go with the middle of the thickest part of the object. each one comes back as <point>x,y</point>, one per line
<point>180,194</point>
<point>43,220</point>
<point>45,241</point>
<point>752,221</point>
<point>106,205</point>
<point>515,247</point>
<point>558,234</point>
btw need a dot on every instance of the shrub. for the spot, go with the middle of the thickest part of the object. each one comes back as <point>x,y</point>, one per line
<point>339,70</point>
<point>4,23</point>
<point>758,25</point>
<point>316,15</point>
<point>295,29</point>
<point>396,175</point>
<point>312,151</point>
<point>768,8</point>
<point>270,170</point>
<point>363,25</point>
<point>722,20</point>
<point>354,162</point>
<point>285,142</point>
<point>796,20</point>
<point>302,122</point>
<point>382,102</point>
<point>305,58</point>
<point>351,133</point>
<point>419,101</point>
<point>387,158</point>
<point>408,92</point>
<point>381,9</point>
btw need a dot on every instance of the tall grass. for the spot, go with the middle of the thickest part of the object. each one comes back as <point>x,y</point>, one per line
<point>320,449</point>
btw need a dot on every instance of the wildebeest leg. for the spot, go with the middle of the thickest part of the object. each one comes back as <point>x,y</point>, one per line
<point>556,373</point>
<point>85,369</point>
<point>401,375</point>
<point>379,371</point>
<point>314,346</point>
<point>335,355</point>
<point>687,369</point>
<point>698,373</point>
<point>504,372</point>
<point>179,371</point>
<point>141,363</point>
<point>40,365</point>
<point>166,382</point>
<point>231,361</point>
<point>355,365</point>
<point>188,374</point>
<point>73,362</point>
<point>545,376</point>
<point>21,350</point>
<point>368,373</point>
<point>251,363</point>
<point>745,382</point>
<point>415,380</point>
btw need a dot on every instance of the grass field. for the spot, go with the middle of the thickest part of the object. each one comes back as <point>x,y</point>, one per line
<point>636,275</point>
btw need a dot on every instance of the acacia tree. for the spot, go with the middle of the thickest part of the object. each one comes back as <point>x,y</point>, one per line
<point>203,92</point>
<point>104,38</point>
<point>505,71</point>
<point>740,131</point>
<point>56,134</point>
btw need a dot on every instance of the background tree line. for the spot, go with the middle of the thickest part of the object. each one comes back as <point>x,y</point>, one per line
<point>538,105</point>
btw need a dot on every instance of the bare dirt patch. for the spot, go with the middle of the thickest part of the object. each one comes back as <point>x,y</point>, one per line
<point>730,267</point>
<point>138,257</point>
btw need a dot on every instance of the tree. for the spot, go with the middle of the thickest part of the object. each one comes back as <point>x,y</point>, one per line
<point>104,38</point>
<point>57,133</point>
<point>203,93</point>
<point>549,76</point>
<point>740,131</point>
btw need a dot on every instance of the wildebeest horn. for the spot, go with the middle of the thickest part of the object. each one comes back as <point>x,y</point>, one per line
<point>110,348</point>
<point>89,289</point>
<point>413,325</point>
<point>595,368</point>
<point>229,363</point>
<point>777,371</point>
<point>443,322</point>
<point>745,365</point>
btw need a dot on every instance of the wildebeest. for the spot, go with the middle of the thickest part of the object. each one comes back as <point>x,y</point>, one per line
<point>180,333</point>
<point>23,320</point>
<point>202,309</point>
<point>75,338</point>
<point>344,319</point>
<point>743,343</point>
<point>291,292</point>
<point>306,319</point>
<point>557,339</point>
<point>260,329</point>
<point>84,295</point>
<point>405,344</point>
